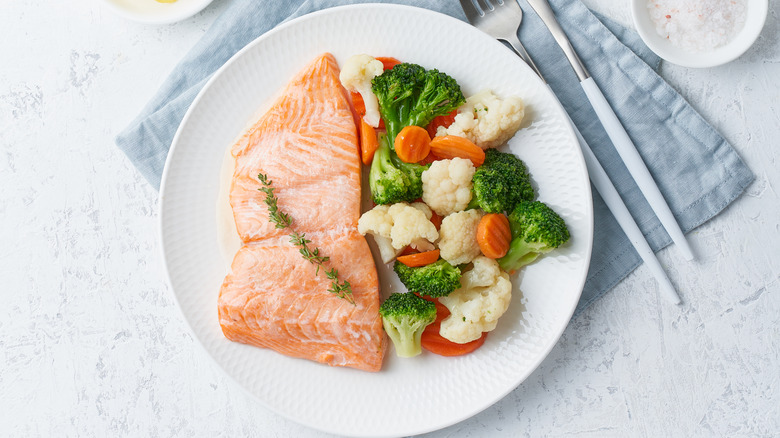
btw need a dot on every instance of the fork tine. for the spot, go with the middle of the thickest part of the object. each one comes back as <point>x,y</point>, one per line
<point>485,6</point>
<point>472,13</point>
<point>512,4</point>
<point>500,25</point>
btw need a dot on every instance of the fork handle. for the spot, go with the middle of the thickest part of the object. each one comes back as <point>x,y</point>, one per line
<point>636,166</point>
<point>611,197</point>
<point>517,46</point>
<point>602,183</point>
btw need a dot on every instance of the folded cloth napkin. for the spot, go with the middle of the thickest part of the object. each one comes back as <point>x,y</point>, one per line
<point>696,169</point>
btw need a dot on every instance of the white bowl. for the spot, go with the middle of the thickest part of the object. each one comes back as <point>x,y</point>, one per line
<point>154,12</point>
<point>754,22</point>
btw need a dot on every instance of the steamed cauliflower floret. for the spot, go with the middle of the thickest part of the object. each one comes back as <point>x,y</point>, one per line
<point>486,119</point>
<point>396,226</point>
<point>356,75</point>
<point>447,185</point>
<point>483,297</point>
<point>423,244</point>
<point>386,250</point>
<point>409,225</point>
<point>376,221</point>
<point>379,223</point>
<point>458,237</point>
<point>423,208</point>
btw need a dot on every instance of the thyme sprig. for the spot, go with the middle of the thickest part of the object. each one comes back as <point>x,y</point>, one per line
<point>343,289</point>
<point>282,220</point>
<point>312,255</point>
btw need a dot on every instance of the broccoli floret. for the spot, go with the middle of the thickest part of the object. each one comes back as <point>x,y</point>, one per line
<point>536,229</point>
<point>500,183</point>
<point>411,95</point>
<point>435,280</point>
<point>390,179</point>
<point>404,317</point>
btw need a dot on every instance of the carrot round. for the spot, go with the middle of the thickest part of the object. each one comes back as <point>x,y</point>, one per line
<point>451,146</point>
<point>388,62</point>
<point>412,144</point>
<point>419,259</point>
<point>368,142</point>
<point>494,235</point>
<point>435,343</point>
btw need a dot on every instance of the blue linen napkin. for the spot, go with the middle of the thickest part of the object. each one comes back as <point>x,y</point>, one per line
<point>696,169</point>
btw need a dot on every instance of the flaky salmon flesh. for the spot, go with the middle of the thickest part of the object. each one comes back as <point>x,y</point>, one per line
<point>273,298</point>
<point>307,145</point>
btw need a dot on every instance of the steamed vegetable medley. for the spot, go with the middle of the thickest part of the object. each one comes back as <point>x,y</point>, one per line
<point>455,215</point>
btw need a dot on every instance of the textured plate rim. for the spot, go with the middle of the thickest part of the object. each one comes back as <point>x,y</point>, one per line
<point>552,340</point>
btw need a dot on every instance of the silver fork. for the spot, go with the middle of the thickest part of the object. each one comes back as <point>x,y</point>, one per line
<point>501,21</point>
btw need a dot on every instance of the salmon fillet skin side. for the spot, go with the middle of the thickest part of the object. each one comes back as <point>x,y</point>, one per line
<point>307,145</point>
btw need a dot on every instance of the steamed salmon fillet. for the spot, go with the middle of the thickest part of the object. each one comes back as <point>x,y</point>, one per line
<point>274,298</point>
<point>322,205</point>
<point>307,145</point>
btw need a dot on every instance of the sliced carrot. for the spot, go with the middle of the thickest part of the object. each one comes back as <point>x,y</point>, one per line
<point>368,142</point>
<point>388,62</point>
<point>408,250</point>
<point>412,144</point>
<point>436,219</point>
<point>437,121</point>
<point>419,259</point>
<point>451,146</point>
<point>359,106</point>
<point>437,344</point>
<point>357,103</point>
<point>494,235</point>
<point>430,158</point>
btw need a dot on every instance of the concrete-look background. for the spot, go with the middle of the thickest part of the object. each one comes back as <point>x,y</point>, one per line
<point>92,344</point>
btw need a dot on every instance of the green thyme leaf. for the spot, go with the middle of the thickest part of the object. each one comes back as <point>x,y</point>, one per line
<point>281,220</point>
<point>313,256</point>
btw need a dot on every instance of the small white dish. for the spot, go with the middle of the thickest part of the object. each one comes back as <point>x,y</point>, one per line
<point>754,21</point>
<point>154,12</point>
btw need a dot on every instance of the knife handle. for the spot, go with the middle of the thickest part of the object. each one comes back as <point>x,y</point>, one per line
<point>545,12</point>
<point>636,166</point>
<point>618,208</point>
<point>602,183</point>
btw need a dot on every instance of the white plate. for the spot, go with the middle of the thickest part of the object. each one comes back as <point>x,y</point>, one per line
<point>409,396</point>
<point>154,12</point>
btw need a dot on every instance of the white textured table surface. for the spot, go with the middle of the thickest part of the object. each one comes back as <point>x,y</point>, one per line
<point>91,343</point>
